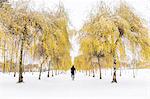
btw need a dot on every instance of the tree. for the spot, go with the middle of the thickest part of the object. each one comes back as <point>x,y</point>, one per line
<point>109,30</point>
<point>18,22</point>
<point>53,44</point>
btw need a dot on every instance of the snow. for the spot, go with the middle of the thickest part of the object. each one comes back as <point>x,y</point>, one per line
<point>83,87</point>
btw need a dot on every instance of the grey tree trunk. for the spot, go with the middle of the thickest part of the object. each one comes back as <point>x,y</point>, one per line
<point>20,62</point>
<point>40,70</point>
<point>120,72</point>
<point>134,70</point>
<point>4,68</point>
<point>86,72</point>
<point>93,73</point>
<point>114,73</point>
<point>52,73</point>
<point>100,72</point>
<point>15,65</point>
<point>89,73</point>
<point>48,69</point>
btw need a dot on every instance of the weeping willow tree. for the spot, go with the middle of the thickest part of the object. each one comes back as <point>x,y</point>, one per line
<point>109,30</point>
<point>53,44</point>
<point>82,62</point>
<point>42,34</point>
<point>18,22</point>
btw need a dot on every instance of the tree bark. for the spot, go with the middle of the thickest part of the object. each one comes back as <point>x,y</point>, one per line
<point>93,73</point>
<point>134,70</point>
<point>114,74</point>
<point>4,68</point>
<point>52,73</point>
<point>120,71</point>
<point>20,62</point>
<point>55,71</point>
<point>15,74</point>
<point>89,73</point>
<point>48,69</point>
<point>40,70</point>
<point>100,72</point>
<point>15,65</point>
<point>86,72</point>
<point>11,65</point>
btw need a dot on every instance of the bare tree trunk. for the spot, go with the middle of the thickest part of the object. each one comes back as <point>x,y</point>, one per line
<point>48,69</point>
<point>133,73</point>
<point>56,72</point>
<point>52,73</point>
<point>133,70</point>
<point>14,73</point>
<point>99,68</point>
<point>111,71</point>
<point>20,62</point>
<point>11,63</point>
<point>120,71</point>
<point>89,73</point>
<point>40,71</point>
<point>4,68</point>
<point>41,67</point>
<point>15,65</point>
<point>93,73</point>
<point>114,74</point>
<point>23,62</point>
<point>86,72</point>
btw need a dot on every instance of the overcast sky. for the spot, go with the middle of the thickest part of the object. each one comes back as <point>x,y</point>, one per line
<point>79,9</point>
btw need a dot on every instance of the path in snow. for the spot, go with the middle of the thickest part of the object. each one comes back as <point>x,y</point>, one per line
<point>62,87</point>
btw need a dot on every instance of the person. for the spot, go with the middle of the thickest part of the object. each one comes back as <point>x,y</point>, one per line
<point>73,72</point>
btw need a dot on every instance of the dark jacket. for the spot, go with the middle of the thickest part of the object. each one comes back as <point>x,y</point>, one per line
<point>73,70</point>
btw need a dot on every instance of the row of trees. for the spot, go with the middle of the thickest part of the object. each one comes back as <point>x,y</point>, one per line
<point>40,35</point>
<point>107,35</point>
<point>43,37</point>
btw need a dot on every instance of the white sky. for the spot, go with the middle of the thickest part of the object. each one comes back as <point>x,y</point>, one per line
<point>79,9</point>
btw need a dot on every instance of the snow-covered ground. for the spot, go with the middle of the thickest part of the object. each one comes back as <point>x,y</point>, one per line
<point>84,87</point>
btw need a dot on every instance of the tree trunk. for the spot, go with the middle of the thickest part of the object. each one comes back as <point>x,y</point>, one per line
<point>89,73</point>
<point>4,68</point>
<point>100,72</point>
<point>120,71</point>
<point>48,69</point>
<point>133,71</point>
<point>41,67</point>
<point>20,62</point>
<point>93,73</point>
<point>114,74</point>
<point>11,64</point>
<point>40,71</point>
<point>56,72</point>
<point>111,71</point>
<point>15,74</point>
<point>23,62</point>
<point>52,73</point>
<point>86,72</point>
<point>15,65</point>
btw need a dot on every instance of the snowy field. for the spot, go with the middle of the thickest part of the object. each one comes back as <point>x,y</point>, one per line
<point>84,87</point>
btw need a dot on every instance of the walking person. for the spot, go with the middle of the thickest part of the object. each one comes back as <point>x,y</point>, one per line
<point>73,72</point>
